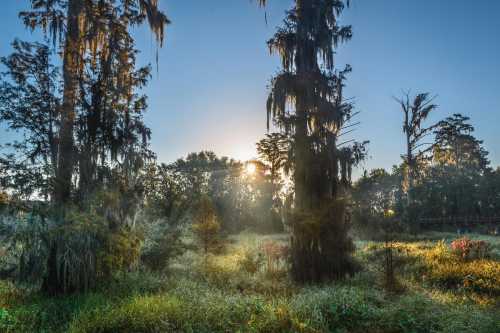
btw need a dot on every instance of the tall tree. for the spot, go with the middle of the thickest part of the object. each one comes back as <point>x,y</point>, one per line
<point>307,102</point>
<point>456,145</point>
<point>82,27</point>
<point>101,139</point>
<point>415,112</point>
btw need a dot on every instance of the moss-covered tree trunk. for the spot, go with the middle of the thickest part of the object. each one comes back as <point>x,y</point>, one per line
<point>53,283</point>
<point>71,62</point>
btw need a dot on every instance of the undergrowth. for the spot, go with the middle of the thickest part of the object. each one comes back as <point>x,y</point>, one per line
<point>238,291</point>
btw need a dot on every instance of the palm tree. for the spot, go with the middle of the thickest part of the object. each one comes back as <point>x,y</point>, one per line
<point>415,113</point>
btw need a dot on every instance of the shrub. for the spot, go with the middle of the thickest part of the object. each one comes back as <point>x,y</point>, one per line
<point>251,261</point>
<point>120,252</point>
<point>4,200</point>
<point>7,321</point>
<point>443,268</point>
<point>276,255</point>
<point>206,227</point>
<point>471,249</point>
<point>217,273</point>
<point>481,276</point>
<point>9,294</point>
<point>162,244</point>
<point>39,314</point>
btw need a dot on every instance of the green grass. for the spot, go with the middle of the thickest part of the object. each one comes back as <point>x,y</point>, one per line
<point>218,295</point>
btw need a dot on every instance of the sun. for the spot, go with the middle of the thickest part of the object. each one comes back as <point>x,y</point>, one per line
<point>250,168</point>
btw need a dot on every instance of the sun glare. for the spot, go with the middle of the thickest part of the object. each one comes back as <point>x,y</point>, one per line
<point>250,168</point>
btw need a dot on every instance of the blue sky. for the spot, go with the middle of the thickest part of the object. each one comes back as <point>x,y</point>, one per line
<point>214,69</point>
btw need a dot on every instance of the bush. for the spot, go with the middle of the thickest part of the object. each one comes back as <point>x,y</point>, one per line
<point>481,276</point>
<point>162,244</point>
<point>39,314</point>
<point>120,252</point>
<point>277,255</point>
<point>251,261</point>
<point>471,249</point>
<point>445,269</point>
<point>206,227</point>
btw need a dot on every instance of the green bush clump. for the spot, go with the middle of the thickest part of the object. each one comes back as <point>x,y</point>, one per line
<point>251,261</point>
<point>7,322</point>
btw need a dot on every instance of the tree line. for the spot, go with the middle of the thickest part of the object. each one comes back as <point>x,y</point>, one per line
<point>448,177</point>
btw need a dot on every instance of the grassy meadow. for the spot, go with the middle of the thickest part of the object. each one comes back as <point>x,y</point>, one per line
<point>245,288</point>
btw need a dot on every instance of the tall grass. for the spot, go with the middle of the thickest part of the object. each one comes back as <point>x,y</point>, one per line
<point>222,296</point>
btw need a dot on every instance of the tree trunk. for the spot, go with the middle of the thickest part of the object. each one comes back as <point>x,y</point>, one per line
<point>53,283</point>
<point>303,194</point>
<point>71,62</point>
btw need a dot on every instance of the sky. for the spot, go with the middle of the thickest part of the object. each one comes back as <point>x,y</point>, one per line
<point>210,90</point>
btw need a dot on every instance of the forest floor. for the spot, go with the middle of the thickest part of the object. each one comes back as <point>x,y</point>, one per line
<point>245,288</point>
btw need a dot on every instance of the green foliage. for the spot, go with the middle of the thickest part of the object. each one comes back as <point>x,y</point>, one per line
<point>84,249</point>
<point>455,145</point>
<point>140,314</point>
<point>38,314</point>
<point>231,299</point>
<point>120,252</point>
<point>374,195</point>
<point>206,227</point>
<point>241,200</point>
<point>161,247</point>
<point>195,307</point>
<point>251,261</point>
<point>447,270</point>
<point>4,200</point>
<point>83,142</point>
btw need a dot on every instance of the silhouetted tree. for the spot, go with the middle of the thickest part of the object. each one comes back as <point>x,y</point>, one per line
<point>307,103</point>
<point>455,145</point>
<point>84,27</point>
<point>415,113</point>
<point>101,140</point>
